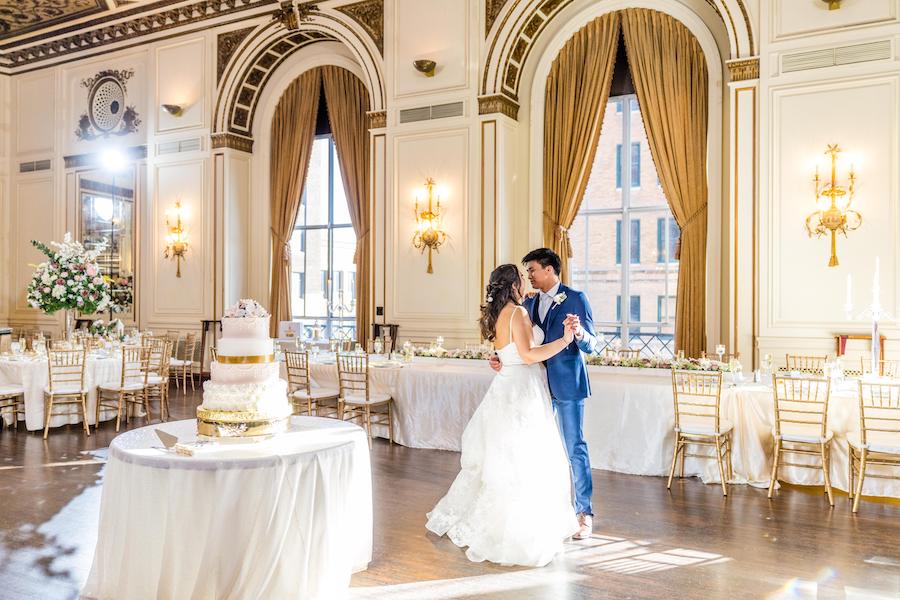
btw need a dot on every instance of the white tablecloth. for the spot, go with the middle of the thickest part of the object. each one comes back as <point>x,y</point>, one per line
<point>285,517</point>
<point>32,374</point>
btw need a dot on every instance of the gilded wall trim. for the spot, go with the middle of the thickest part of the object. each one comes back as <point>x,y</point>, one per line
<point>370,15</point>
<point>226,45</point>
<point>232,141</point>
<point>498,103</point>
<point>492,10</point>
<point>743,69</point>
<point>377,119</point>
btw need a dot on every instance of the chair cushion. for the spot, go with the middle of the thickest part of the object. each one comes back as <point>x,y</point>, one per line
<point>115,387</point>
<point>374,398</point>
<point>804,433</point>
<point>316,393</point>
<point>62,390</point>
<point>703,426</point>
<point>7,390</point>
<point>177,362</point>
<point>876,441</point>
<point>154,379</point>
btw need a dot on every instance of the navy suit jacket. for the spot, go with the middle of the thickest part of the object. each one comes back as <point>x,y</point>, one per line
<point>567,371</point>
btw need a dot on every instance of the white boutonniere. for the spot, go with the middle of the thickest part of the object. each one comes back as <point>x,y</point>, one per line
<point>559,298</point>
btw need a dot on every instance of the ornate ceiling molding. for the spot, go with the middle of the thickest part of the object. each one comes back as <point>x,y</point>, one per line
<point>16,56</point>
<point>226,45</point>
<point>377,119</point>
<point>370,15</point>
<point>492,9</point>
<point>488,105</point>
<point>232,141</point>
<point>743,69</point>
<point>23,16</point>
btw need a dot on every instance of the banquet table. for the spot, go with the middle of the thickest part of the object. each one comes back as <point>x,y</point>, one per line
<point>287,516</point>
<point>628,421</point>
<point>32,374</point>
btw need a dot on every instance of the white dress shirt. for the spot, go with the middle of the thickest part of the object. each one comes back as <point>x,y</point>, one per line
<point>546,300</point>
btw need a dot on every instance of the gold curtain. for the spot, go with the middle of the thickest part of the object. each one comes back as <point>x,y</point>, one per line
<point>669,73</point>
<point>293,131</point>
<point>348,101</point>
<point>574,106</point>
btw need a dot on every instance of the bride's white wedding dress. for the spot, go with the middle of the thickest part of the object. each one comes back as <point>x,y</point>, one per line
<point>511,502</point>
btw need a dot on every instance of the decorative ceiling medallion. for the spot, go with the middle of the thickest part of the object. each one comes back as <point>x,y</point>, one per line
<point>370,15</point>
<point>107,113</point>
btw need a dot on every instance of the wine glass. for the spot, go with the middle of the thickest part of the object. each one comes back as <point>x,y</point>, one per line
<point>15,347</point>
<point>720,351</point>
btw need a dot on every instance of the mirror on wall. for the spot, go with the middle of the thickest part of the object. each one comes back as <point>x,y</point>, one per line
<point>107,204</point>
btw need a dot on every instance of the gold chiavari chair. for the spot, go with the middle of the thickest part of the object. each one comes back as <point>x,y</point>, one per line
<point>183,367</point>
<point>801,425</point>
<point>626,353</point>
<point>213,354</point>
<point>132,386</point>
<point>878,440</point>
<point>66,386</point>
<point>158,378</point>
<point>698,422</point>
<point>357,401</point>
<point>810,365</point>
<point>12,400</point>
<point>886,368</point>
<point>306,397</point>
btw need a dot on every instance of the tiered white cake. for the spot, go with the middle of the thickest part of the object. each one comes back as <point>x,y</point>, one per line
<point>245,395</point>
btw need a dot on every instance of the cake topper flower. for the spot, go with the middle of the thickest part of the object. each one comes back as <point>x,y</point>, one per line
<point>245,308</point>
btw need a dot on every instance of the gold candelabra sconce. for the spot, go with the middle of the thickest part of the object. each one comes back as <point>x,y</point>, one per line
<point>834,201</point>
<point>176,240</point>
<point>833,4</point>
<point>429,236</point>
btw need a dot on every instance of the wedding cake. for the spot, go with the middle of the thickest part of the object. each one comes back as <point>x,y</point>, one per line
<point>244,396</point>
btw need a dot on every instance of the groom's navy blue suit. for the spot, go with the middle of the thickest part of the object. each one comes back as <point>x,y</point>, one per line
<point>569,385</point>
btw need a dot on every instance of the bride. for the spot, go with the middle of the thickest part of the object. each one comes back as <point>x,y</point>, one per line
<point>511,502</point>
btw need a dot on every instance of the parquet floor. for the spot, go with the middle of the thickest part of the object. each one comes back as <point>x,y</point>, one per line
<point>648,543</point>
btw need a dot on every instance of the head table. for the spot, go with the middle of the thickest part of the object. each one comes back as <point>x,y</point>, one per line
<point>628,421</point>
<point>31,372</point>
<point>284,517</point>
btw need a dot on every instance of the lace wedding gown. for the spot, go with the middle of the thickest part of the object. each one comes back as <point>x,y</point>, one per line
<point>511,502</point>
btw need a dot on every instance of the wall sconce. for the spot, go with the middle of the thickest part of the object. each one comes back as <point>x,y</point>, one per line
<point>176,110</point>
<point>834,215</point>
<point>833,4</point>
<point>176,239</point>
<point>428,235</point>
<point>425,67</point>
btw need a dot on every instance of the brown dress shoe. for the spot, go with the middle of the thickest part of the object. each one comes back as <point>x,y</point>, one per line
<point>585,527</point>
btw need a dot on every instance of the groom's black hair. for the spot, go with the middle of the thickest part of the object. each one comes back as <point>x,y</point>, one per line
<point>546,257</point>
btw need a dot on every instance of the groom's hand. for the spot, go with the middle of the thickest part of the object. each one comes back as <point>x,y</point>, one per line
<point>575,322</point>
<point>495,363</point>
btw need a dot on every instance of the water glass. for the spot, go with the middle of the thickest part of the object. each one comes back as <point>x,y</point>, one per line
<point>15,347</point>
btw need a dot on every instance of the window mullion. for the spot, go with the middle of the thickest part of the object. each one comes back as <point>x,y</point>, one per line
<point>626,228</point>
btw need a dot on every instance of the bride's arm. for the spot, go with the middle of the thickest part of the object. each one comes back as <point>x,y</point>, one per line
<point>524,338</point>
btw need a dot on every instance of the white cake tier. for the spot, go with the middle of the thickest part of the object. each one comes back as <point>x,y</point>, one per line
<point>243,373</point>
<point>268,399</point>
<point>245,347</point>
<point>245,327</point>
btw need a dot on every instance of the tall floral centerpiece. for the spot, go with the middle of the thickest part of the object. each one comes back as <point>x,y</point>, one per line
<point>68,280</point>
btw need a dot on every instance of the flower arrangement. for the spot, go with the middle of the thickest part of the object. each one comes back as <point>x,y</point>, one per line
<point>458,353</point>
<point>121,291</point>
<point>689,364</point>
<point>244,308</point>
<point>70,279</point>
<point>115,329</point>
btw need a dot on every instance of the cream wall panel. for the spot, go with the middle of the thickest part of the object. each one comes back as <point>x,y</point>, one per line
<point>803,295</point>
<point>187,299</point>
<point>792,18</point>
<point>379,214</point>
<point>435,29</point>
<point>34,111</point>
<point>181,78</point>
<point>36,218</point>
<point>445,300</point>
<point>236,234</point>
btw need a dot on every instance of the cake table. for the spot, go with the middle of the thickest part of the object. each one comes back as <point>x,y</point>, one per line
<point>283,517</point>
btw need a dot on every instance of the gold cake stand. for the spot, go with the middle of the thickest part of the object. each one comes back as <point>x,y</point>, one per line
<point>219,424</point>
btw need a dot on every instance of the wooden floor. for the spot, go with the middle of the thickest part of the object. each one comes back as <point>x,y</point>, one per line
<point>648,543</point>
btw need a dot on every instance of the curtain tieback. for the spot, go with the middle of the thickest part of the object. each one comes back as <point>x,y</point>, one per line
<point>563,235</point>
<point>359,242</point>
<point>285,246</point>
<point>688,223</point>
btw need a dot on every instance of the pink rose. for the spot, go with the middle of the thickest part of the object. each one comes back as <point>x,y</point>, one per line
<point>92,270</point>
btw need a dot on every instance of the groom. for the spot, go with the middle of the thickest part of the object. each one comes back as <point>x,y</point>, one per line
<point>551,309</point>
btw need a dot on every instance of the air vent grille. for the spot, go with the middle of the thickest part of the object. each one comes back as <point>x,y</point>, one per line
<point>427,113</point>
<point>34,165</point>
<point>830,57</point>
<point>188,145</point>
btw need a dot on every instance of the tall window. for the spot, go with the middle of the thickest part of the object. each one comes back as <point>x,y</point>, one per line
<point>616,254</point>
<point>323,276</point>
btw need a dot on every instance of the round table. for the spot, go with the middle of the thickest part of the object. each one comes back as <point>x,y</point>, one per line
<point>283,517</point>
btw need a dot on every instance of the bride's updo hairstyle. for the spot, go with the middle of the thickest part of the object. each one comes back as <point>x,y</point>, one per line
<point>503,287</point>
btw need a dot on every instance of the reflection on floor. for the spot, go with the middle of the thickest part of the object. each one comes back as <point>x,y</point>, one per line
<point>648,543</point>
